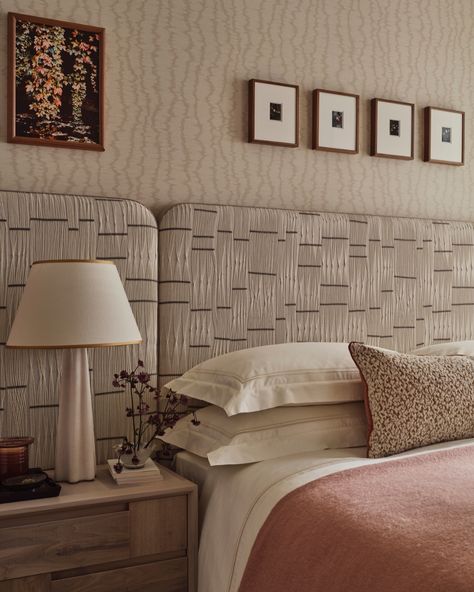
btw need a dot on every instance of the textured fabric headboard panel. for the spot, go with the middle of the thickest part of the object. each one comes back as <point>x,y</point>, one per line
<point>43,226</point>
<point>237,277</point>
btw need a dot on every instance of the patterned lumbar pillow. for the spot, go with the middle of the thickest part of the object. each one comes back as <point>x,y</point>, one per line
<point>413,401</point>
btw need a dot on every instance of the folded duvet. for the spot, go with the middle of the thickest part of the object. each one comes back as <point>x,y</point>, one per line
<point>404,526</point>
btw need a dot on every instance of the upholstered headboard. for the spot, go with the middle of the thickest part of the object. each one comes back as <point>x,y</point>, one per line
<point>236,277</point>
<point>43,226</point>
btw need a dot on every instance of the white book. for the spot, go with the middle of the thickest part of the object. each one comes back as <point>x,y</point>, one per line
<point>150,479</point>
<point>125,474</point>
<point>150,472</point>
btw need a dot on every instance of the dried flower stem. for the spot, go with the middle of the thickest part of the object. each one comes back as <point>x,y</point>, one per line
<point>138,384</point>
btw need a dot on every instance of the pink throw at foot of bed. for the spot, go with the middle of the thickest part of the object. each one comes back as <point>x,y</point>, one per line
<point>399,526</point>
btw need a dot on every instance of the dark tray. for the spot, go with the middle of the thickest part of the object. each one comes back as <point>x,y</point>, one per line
<point>48,488</point>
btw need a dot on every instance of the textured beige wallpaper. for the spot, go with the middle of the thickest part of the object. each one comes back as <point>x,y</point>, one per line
<point>177,74</point>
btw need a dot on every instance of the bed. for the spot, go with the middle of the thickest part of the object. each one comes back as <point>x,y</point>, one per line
<point>232,278</point>
<point>237,277</point>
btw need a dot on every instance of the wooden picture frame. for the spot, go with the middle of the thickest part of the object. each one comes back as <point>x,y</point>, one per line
<point>335,141</point>
<point>56,93</point>
<point>389,120</point>
<point>438,136</point>
<point>268,121</point>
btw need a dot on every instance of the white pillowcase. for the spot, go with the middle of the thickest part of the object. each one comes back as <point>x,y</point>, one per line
<point>252,437</point>
<point>447,348</point>
<point>274,376</point>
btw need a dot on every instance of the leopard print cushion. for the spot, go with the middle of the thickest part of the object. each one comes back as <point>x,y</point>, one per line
<point>413,401</point>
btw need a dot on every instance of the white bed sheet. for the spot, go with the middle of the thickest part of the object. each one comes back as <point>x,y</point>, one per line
<point>193,467</point>
<point>235,501</point>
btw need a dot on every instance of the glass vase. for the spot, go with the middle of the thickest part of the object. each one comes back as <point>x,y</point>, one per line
<point>14,456</point>
<point>137,458</point>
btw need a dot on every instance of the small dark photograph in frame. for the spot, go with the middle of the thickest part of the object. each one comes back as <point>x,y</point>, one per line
<point>444,136</point>
<point>392,129</point>
<point>55,83</point>
<point>338,119</point>
<point>395,127</point>
<point>276,111</point>
<point>273,113</point>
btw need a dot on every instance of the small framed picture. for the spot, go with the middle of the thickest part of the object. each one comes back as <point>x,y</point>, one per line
<point>55,83</point>
<point>273,113</point>
<point>335,121</point>
<point>392,133</point>
<point>444,136</point>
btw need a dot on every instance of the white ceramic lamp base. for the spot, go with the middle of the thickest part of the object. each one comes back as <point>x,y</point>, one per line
<point>75,442</point>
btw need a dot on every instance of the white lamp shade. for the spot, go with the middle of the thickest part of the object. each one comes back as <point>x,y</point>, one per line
<point>73,304</point>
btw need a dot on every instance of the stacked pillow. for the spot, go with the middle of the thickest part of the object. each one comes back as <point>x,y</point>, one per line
<point>272,401</point>
<point>450,348</point>
<point>283,399</point>
<point>252,437</point>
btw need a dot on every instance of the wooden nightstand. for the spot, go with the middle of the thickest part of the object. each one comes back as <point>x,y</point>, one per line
<point>101,537</point>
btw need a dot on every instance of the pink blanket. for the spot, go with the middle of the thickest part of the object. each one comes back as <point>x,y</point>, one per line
<point>402,526</point>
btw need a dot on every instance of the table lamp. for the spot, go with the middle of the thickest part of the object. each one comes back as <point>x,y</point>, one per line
<point>73,305</point>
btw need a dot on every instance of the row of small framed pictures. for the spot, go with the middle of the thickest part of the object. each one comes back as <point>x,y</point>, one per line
<point>274,119</point>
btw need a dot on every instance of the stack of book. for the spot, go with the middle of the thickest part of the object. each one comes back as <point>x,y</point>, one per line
<point>150,472</point>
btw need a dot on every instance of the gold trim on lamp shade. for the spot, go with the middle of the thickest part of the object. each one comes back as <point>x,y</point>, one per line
<point>73,304</point>
<point>99,261</point>
<point>82,345</point>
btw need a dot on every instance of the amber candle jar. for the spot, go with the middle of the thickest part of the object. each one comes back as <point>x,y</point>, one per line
<point>14,456</point>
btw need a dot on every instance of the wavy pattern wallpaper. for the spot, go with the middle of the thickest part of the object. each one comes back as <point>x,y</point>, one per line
<point>176,109</point>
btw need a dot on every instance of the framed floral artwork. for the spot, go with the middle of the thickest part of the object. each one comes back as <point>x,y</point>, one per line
<point>335,121</point>
<point>444,136</point>
<point>392,132</point>
<point>55,83</point>
<point>273,113</point>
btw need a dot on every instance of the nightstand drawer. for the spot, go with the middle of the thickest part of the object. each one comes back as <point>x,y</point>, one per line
<point>163,576</point>
<point>158,526</point>
<point>98,537</point>
<point>63,544</point>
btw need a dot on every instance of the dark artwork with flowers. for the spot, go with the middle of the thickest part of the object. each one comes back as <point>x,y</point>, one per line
<point>148,421</point>
<point>55,83</point>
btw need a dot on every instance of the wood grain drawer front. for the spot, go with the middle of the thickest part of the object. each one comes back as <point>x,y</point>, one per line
<point>63,544</point>
<point>162,576</point>
<point>158,526</point>
<point>41,583</point>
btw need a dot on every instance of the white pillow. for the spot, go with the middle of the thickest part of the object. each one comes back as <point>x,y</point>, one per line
<point>252,437</point>
<point>274,376</point>
<point>447,348</point>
